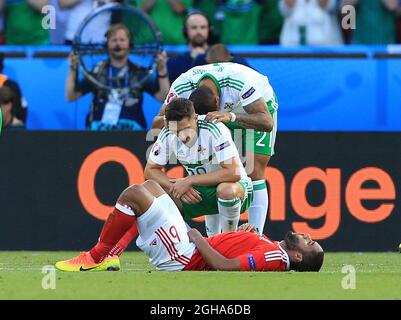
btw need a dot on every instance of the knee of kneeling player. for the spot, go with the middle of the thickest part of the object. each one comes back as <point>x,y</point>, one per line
<point>226,191</point>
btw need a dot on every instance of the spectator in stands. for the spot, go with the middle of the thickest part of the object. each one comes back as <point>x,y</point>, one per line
<point>57,35</point>
<point>310,22</point>
<point>23,22</point>
<point>375,21</point>
<point>168,17</point>
<point>239,21</point>
<point>2,34</point>
<point>8,110</point>
<point>196,29</point>
<point>19,102</point>
<point>121,108</point>
<point>270,23</point>
<point>78,10</point>
<point>218,53</point>
<point>213,10</point>
<point>399,28</point>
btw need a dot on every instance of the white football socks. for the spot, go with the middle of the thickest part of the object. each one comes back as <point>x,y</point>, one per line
<point>229,211</point>
<point>257,212</point>
<point>212,224</point>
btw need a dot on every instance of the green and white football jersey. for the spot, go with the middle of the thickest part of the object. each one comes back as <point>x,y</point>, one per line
<point>213,146</point>
<point>238,85</point>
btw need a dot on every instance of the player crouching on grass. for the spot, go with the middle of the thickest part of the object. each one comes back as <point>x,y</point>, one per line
<point>164,237</point>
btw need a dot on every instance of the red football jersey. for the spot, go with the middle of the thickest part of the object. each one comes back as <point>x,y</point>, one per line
<point>255,252</point>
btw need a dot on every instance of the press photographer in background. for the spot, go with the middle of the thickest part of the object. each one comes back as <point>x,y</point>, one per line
<point>120,108</point>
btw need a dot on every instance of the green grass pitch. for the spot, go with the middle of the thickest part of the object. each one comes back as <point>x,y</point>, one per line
<point>377,277</point>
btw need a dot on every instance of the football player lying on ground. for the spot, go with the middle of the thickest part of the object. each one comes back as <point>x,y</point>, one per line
<point>164,237</point>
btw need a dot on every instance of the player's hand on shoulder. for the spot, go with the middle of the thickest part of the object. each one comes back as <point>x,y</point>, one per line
<point>218,116</point>
<point>247,227</point>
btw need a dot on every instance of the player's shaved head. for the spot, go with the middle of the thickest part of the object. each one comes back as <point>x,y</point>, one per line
<point>218,53</point>
<point>204,100</point>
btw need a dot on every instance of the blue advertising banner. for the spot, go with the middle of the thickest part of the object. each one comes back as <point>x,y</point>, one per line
<point>326,89</point>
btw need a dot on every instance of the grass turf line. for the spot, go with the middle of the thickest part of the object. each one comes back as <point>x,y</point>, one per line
<point>377,277</point>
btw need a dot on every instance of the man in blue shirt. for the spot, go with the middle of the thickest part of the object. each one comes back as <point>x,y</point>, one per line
<point>197,31</point>
<point>121,107</point>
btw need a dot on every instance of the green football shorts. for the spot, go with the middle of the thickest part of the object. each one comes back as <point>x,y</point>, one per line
<point>208,205</point>
<point>258,142</point>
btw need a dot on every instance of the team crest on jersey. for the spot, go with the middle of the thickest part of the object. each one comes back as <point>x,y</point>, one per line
<point>201,150</point>
<point>156,149</point>
<point>248,93</point>
<point>229,106</point>
<point>222,146</point>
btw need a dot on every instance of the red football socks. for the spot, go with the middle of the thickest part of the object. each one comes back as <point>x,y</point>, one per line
<point>124,242</point>
<point>115,227</point>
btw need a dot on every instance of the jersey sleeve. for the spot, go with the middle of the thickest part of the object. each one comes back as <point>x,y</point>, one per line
<point>260,259</point>
<point>159,153</point>
<point>250,92</point>
<point>182,87</point>
<point>222,143</point>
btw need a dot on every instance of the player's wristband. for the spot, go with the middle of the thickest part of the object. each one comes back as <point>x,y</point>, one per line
<point>162,75</point>
<point>233,117</point>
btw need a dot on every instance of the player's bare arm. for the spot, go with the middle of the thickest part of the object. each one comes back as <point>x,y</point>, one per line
<point>257,117</point>
<point>213,258</point>
<point>229,172</point>
<point>158,121</point>
<point>153,171</point>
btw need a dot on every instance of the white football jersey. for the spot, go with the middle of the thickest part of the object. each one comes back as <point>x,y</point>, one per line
<point>213,146</point>
<point>238,85</point>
